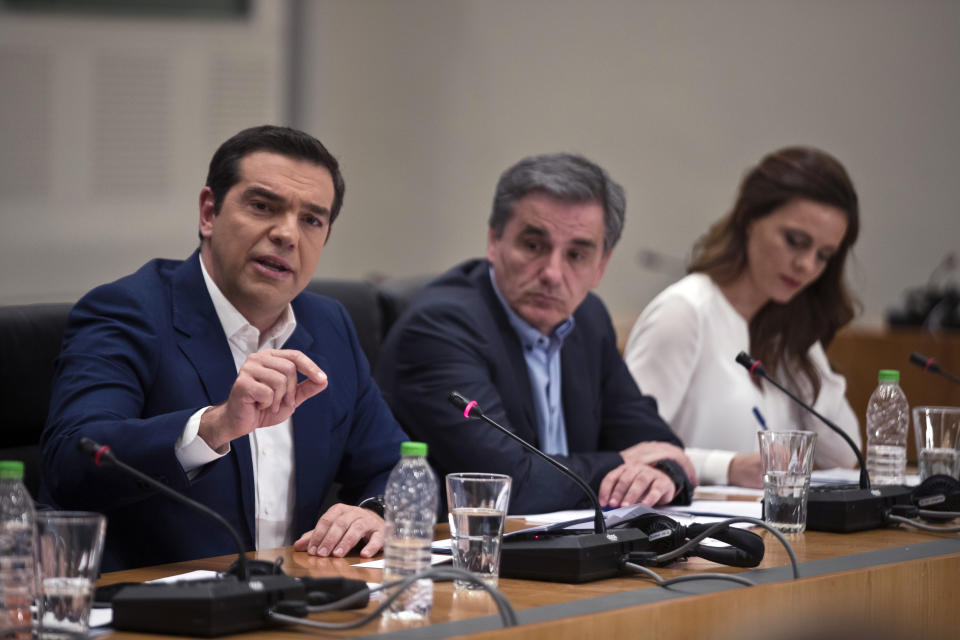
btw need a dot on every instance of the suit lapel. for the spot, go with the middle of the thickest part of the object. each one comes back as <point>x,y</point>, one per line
<point>308,436</point>
<point>521,401</point>
<point>576,388</point>
<point>203,343</point>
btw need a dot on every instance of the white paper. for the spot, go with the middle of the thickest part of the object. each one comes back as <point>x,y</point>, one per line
<point>725,490</point>
<point>557,516</point>
<point>435,558</point>
<point>848,476</point>
<point>580,519</point>
<point>720,508</point>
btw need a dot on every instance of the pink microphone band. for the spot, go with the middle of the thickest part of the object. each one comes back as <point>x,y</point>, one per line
<point>470,405</point>
<point>102,450</point>
<point>754,366</point>
<point>929,364</point>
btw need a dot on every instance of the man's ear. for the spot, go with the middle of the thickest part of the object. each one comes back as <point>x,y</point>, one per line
<point>491,241</point>
<point>207,212</point>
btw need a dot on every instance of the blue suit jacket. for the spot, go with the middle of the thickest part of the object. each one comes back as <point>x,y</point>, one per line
<point>139,357</point>
<point>456,336</point>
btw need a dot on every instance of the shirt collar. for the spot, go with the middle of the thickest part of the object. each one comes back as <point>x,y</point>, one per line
<point>235,325</point>
<point>530,336</point>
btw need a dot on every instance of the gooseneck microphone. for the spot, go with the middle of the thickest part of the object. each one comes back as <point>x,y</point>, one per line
<point>564,555</point>
<point>470,409</point>
<point>755,367</point>
<point>929,364</point>
<point>217,606</point>
<point>103,456</point>
<point>840,509</point>
<point>560,555</point>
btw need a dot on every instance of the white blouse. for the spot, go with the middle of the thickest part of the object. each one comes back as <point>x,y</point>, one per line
<point>682,352</point>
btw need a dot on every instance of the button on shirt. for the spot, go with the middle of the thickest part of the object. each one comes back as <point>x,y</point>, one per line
<point>271,448</point>
<point>542,355</point>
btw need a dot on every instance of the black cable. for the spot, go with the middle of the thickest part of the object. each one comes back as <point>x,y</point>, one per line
<point>732,577</point>
<point>923,526</point>
<point>931,513</point>
<point>692,542</point>
<point>508,616</point>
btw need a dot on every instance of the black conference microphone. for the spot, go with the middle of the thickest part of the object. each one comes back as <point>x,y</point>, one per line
<point>840,509</point>
<point>929,364</point>
<point>560,555</point>
<point>103,456</point>
<point>470,408</point>
<point>755,367</point>
<point>214,607</point>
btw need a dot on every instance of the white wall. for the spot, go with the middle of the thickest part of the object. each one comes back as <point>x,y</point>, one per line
<point>108,126</point>
<point>427,101</point>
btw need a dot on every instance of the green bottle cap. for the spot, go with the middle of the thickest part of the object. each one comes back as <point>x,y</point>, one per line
<point>888,375</point>
<point>11,470</point>
<point>413,449</point>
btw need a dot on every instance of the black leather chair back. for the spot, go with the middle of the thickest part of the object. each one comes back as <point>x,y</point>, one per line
<point>363,304</point>
<point>396,294</point>
<point>30,337</point>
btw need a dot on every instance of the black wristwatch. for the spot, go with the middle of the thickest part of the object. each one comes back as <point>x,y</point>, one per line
<point>680,480</point>
<point>375,504</point>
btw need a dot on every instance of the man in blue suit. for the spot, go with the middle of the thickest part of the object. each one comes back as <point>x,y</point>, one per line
<point>219,377</point>
<point>522,335</point>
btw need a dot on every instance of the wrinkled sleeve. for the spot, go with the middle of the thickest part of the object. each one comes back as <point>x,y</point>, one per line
<point>108,362</point>
<point>662,352</point>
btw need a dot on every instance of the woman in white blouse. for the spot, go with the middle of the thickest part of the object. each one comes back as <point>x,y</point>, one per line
<point>766,279</point>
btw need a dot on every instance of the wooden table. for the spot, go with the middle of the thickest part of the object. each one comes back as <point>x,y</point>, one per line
<point>899,582</point>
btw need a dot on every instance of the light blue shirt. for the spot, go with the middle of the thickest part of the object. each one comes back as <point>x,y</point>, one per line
<point>542,354</point>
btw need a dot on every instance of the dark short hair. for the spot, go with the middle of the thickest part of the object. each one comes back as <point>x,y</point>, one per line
<point>224,169</point>
<point>566,177</point>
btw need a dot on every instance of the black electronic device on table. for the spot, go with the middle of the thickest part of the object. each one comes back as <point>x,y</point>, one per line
<point>841,508</point>
<point>215,606</point>
<point>573,555</point>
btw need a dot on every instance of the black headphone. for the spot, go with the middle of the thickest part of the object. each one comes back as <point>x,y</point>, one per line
<point>937,493</point>
<point>665,535</point>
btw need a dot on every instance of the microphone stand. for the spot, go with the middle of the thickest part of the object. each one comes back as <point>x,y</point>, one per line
<point>839,509</point>
<point>561,555</point>
<point>201,608</point>
<point>470,409</point>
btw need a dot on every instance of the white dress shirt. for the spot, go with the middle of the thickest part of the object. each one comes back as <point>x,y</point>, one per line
<point>271,448</point>
<point>682,352</point>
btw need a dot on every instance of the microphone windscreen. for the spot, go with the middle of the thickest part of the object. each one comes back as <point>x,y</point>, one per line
<point>745,359</point>
<point>88,446</point>
<point>457,400</point>
<point>921,360</point>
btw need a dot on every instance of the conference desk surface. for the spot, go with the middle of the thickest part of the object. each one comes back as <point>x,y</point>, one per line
<point>898,582</point>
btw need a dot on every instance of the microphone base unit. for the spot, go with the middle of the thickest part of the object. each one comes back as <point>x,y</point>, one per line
<point>569,556</point>
<point>203,608</point>
<point>847,508</point>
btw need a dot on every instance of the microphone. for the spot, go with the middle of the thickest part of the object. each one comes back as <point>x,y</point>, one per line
<point>755,367</point>
<point>102,455</point>
<point>560,555</point>
<point>230,604</point>
<point>929,364</point>
<point>470,408</point>
<point>835,508</point>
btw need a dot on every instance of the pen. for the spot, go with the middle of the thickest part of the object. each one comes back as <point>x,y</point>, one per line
<point>759,417</point>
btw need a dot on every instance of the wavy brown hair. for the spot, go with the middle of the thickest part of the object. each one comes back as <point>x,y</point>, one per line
<point>782,334</point>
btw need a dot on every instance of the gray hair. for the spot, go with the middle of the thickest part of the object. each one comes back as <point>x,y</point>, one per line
<point>566,177</point>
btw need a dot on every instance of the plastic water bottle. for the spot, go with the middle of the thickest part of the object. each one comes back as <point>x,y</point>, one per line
<point>888,420</point>
<point>411,513</point>
<point>18,558</point>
